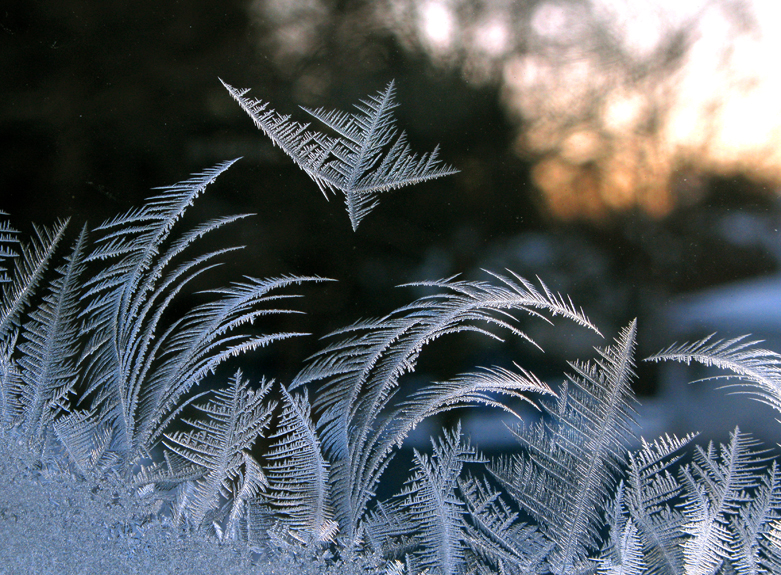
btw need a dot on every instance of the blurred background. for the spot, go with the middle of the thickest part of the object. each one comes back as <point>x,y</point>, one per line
<point>628,153</point>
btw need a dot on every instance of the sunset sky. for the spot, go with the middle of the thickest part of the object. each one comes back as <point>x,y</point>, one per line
<point>618,103</point>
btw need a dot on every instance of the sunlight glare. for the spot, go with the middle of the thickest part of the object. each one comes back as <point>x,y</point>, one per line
<point>492,38</point>
<point>437,25</point>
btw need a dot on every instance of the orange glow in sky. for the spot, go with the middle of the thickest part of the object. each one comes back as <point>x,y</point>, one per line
<point>615,101</point>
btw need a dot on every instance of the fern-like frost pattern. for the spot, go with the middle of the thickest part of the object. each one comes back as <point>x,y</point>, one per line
<point>99,378</point>
<point>366,155</point>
